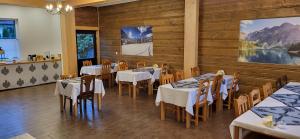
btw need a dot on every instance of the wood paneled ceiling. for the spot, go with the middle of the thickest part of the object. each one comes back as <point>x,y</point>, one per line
<point>75,3</point>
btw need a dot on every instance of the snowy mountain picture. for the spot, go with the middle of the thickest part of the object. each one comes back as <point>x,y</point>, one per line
<point>137,41</point>
<point>275,40</point>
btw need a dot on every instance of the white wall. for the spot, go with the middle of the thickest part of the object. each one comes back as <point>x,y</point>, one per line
<point>37,30</point>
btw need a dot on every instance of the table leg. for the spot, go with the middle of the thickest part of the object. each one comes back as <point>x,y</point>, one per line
<point>134,91</point>
<point>120,88</point>
<point>178,113</point>
<point>129,90</point>
<point>99,101</point>
<point>236,133</point>
<point>187,120</point>
<point>61,101</point>
<point>75,108</point>
<point>162,111</point>
<point>150,86</point>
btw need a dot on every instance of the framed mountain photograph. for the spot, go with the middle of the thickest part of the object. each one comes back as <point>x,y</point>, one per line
<point>137,41</point>
<point>275,40</point>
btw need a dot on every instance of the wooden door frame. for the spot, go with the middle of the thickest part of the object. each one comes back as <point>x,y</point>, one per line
<point>97,38</point>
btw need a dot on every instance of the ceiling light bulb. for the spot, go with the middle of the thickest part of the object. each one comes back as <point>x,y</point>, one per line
<point>59,6</point>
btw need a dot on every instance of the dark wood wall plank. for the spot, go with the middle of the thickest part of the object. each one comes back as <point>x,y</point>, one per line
<point>219,35</point>
<point>167,19</point>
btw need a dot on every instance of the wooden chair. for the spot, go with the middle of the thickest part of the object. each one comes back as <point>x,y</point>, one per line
<point>87,90</point>
<point>87,63</point>
<point>215,89</point>
<point>65,77</point>
<point>241,105</point>
<point>122,66</point>
<point>106,73</point>
<point>278,84</point>
<point>140,64</point>
<point>195,71</point>
<point>267,90</point>
<point>105,61</point>
<point>233,90</point>
<point>254,97</point>
<point>179,75</point>
<point>203,90</point>
<point>164,69</point>
<point>166,79</point>
<point>284,80</point>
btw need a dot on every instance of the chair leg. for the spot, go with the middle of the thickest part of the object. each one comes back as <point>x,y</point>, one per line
<point>197,116</point>
<point>93,104</point>
<point>65,99</point>
<point>183,114</point>
<point>80,102</point>
<point>71,105</point>
<point>204,112</point>
<point>85,104</point>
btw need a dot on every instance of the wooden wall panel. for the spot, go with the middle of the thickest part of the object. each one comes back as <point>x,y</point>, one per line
<point>86,16</point>
<point>167,19</point>
<point>219,34</point>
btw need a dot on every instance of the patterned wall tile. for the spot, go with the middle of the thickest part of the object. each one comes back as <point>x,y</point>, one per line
<point>5,71</point>
<point>19,69</point>
<point>32,68</point>
<point>44,66</point>
<point>33,80</point>
<point>6,84</point>
<point>20,82</point>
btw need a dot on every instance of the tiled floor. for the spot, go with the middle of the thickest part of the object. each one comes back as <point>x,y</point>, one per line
<point>35,110</point>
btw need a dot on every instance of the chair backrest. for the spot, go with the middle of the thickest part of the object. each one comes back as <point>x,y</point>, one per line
<point>164,68</point>
<point>66,76</point>
<point>106,68</point>
<point>105,61</point>
<point>267,89</point>
<point>87,63</point>
<point>140,64</point>
<point>195,71</point>
<point>203,90</point>
<point>241,105</point>
<point>87,82</point>
<point>179,75</point>
<point>278,83</point>
<point>122,66</point>
<point>167,78</point>
<point>216,85</point>
<point>254,97</point>
<point>284,80</point>
<point>233,88</point>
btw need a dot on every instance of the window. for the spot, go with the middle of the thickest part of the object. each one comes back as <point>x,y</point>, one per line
<point>7,29</point>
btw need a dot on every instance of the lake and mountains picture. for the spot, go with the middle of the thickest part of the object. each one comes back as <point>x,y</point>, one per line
<point>275,41</point>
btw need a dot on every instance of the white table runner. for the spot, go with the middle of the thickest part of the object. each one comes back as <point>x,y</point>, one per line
<point>186,97</point>
<point>96,69</point>
<point>73,89</point>
<point>134,77</point>
<point>251,121</point>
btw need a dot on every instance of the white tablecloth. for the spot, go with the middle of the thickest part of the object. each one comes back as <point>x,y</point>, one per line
<point>186,97</point>
<point>73,89</point>
<point>251,121</point>
<point>134,77</point>
<point>96,69</point>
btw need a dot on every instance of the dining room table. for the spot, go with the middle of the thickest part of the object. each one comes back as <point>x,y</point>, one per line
<point>183,94</point>
<point>96,69</point>
<point>284,108</point>
<point>71,88</point>
<point>133,76</point>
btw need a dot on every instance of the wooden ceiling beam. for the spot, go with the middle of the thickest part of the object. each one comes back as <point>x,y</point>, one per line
<point>27,3</point>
